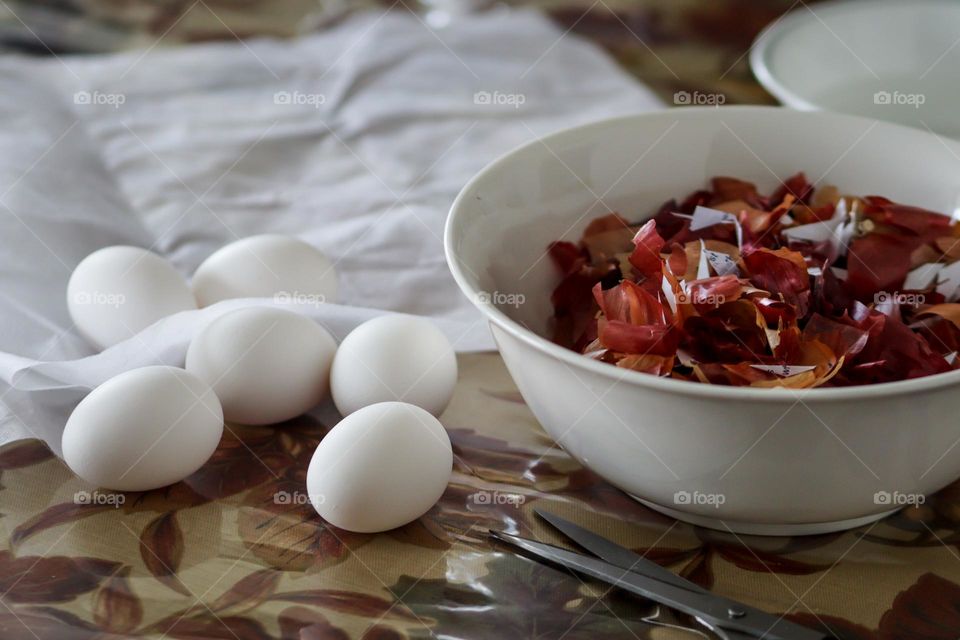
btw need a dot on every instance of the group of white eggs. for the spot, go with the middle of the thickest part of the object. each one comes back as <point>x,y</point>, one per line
<point>385,464</point>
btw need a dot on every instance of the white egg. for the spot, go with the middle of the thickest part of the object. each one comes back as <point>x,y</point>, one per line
<point>266,266</point>
<point>143,429</point>
<point>118,291</point>
<point>380,468</point>
<point>394,357</point>
<point>266,365</point>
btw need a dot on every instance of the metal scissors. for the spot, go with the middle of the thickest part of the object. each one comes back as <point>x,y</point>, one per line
<point>616,565</point>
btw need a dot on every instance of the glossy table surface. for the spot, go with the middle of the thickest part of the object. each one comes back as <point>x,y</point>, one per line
<point>235,552</point>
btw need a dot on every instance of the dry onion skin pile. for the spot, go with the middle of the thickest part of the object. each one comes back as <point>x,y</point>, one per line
<point>802,288</point>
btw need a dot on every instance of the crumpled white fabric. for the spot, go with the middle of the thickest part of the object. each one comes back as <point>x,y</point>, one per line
<point>356,139</point>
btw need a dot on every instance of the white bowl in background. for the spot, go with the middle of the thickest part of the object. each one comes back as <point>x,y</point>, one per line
<point>886,59</point>
<point>765,461</point>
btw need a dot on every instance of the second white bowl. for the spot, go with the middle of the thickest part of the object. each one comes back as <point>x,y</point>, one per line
<point>886,59</point>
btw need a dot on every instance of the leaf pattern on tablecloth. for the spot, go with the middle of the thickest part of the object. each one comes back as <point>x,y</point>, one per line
<point>753,559</point>
<point>928,609</point>
<point>177,496</point>
<point>116,608</point>
<point>161,548</point>
<point>163,500</point>
<point>301,623</point>
<point>50,579</point>
<point>426,532</point>
<point>248,592</point>
<point>24,453</point>
<point>381,632</point>
<point>207,625</point>
<point>249,456</point>
<point>58,514</point>
<point>45,623</point>
<point>278,526</point>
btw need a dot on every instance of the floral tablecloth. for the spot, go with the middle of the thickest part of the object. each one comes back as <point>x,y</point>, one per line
<point>234,551</point>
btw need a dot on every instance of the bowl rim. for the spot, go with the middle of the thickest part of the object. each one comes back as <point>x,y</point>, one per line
<point>571,358</point>
<point>769,37</point>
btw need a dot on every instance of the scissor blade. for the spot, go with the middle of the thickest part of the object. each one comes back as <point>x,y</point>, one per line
<point>615,554</point>
<point>712,610</point>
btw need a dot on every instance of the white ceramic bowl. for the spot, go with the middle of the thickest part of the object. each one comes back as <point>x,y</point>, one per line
<point>887,59</point>
<point>769,461</point>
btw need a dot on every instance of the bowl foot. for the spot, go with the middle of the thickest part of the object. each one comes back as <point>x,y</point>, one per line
<point>765,529</point>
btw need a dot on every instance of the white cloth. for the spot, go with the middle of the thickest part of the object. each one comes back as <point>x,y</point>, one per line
<point>356,139</point>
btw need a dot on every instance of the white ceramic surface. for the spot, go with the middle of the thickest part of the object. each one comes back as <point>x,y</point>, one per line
<point>784,461</point>
<point>893,60</point>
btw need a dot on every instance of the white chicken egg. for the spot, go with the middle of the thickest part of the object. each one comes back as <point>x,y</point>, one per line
<point>394,357</point>
<point>118,291</point>
<point>266,266</point>
<point>266,365</point>
<point>143,429</point>
<point>380,468</point>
